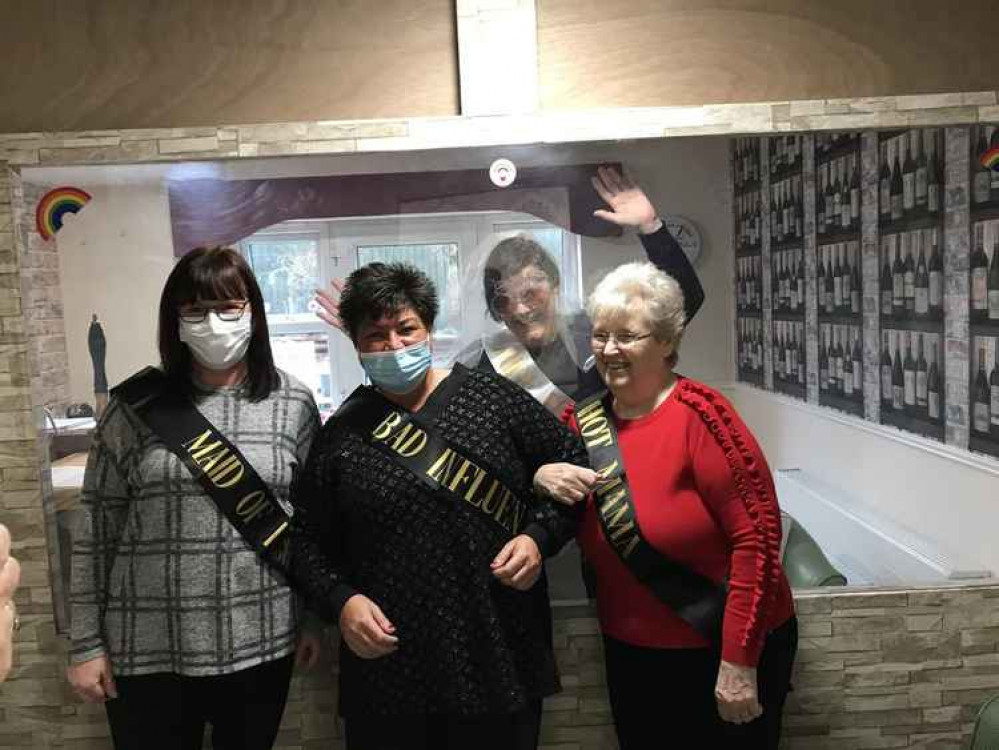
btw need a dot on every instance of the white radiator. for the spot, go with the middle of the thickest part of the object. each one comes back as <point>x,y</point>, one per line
<point>869,549</point>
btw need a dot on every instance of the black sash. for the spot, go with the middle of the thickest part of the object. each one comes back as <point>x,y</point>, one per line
<point>698,600</point>
<point>432,460</point>
<point>218,466</point>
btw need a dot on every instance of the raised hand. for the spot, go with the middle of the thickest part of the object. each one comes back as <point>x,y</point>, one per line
<point>329,305</point>
<point>629,205</point>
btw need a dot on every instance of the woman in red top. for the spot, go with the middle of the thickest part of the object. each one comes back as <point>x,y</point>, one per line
<point>702,497</point>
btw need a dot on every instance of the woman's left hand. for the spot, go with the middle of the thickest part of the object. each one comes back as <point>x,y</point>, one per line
<point>310,643</point>
<point>736,693</point>
<point>630,206</point>
<point>518,564</point>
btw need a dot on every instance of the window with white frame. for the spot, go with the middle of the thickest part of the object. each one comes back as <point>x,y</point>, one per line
<point>294,259</point>
<point>290,263</point>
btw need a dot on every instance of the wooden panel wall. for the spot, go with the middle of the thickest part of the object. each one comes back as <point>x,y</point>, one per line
<point>115,64</point>
<point>595,53</point>
<point>96,64</point>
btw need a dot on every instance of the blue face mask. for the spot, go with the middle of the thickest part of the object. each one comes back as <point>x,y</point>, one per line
<point>398,371</point>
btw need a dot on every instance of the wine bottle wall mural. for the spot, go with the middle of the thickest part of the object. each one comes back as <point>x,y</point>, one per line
<point>750,350</point>
<point>985,167</point>
<point>855,303</point>
<point>985,274</point>
<point>749,285</point>
<point>985,391</point>
<point>911,178</point>
<point>912,380</point>
<point>789,357</point>
<point>748,232</point>
<point>841,366</point>
<point>786,156</point>
<point>983,285</point>
<point>838,282</point>
<point>911,279</point>
<point>788,282</point>
<point>785,242</point>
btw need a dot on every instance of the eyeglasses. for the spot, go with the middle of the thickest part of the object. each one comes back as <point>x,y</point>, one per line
<point>623,340</point>
<point>530,294</point>
<point>227,311</point>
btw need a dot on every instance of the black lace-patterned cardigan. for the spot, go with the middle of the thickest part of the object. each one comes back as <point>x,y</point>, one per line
<point>467,644</point>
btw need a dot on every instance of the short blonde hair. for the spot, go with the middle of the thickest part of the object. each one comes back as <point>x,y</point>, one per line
<point>660,294</point>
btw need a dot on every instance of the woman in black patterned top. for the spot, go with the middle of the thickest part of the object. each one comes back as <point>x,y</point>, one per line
<point>176,620</point>
<point>439,593</point>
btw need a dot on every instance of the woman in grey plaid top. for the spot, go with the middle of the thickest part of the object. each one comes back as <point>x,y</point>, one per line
<point>176,620</point>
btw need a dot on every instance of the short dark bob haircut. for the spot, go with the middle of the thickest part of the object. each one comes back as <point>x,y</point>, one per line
<point>379,289</point>
<point>510,257</point>
<point>212,274</point>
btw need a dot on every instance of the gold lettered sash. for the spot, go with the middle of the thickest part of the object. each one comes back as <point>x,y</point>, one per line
<point>698,600</point>
<point>432,460</point>
<point>218,466</point>
<point>510,358</point>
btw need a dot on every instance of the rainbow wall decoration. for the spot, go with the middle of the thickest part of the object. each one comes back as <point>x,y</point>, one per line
<point>54,206</point>
<point>990,159</point>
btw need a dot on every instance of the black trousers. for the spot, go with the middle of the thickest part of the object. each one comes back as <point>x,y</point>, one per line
<point>169,711</point>
<point>517,731</point>
<point>664,698</point>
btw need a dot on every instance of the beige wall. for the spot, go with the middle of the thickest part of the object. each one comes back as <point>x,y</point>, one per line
<point>114,258</point>
<point>81,66</point>
<point>685,176</point>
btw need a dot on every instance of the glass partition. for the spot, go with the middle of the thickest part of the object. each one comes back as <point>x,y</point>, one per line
<point>787,244</point>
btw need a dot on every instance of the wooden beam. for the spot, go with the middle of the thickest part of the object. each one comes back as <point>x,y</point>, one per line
<point>497,56</point>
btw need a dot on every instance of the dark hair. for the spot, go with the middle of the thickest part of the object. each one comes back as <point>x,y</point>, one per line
<point>379,289</point>
<point>214,273</point>
<point>510,257</point>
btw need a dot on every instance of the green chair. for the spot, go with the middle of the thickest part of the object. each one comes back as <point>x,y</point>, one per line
<point>805,565</point>
<point>986,734</point>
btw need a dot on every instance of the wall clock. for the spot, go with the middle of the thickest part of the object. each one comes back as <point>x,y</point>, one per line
<point>686,233</point>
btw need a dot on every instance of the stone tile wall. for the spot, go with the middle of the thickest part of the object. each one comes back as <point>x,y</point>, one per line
<point>41,293</point>
<point>893,668</point>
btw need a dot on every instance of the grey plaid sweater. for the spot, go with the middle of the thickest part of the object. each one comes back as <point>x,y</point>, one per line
<point>162,582</point>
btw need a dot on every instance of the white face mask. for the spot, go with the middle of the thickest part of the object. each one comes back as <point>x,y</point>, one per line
<point>215,343</point>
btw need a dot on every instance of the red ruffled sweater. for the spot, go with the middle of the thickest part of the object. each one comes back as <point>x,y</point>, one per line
<point>703,496</point>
